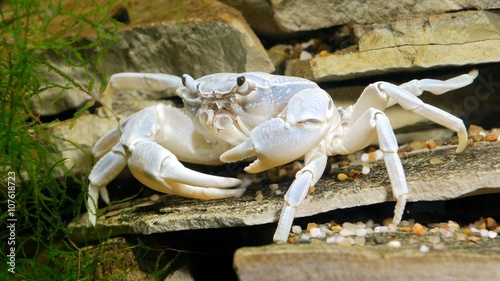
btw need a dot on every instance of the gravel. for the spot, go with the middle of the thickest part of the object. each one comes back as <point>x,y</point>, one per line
<point>432,237</point>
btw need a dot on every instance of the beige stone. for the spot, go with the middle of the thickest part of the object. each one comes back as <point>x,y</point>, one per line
<point>321,261</point>
<point>456,39</point>
<point>297,15</point>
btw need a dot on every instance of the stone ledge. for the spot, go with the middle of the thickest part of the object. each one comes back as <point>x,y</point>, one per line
<point>328,262</point>
<point>475,171</point>
<point>298,15</point>
<point>410,45</point>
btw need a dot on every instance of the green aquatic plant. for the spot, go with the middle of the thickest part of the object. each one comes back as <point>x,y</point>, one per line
<point>35,205</point>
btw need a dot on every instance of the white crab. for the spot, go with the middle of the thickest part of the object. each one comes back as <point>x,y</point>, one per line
<point>268,119</point>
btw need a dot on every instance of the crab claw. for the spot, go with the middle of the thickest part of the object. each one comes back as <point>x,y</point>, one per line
<point>299,128</point>
<point>159,169</point>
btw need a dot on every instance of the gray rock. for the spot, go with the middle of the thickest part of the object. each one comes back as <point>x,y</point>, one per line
<point>320,261</point>
<point>208,37</point>
<point>296,15</point>
<point>259,15</point>
<point>461,38</point>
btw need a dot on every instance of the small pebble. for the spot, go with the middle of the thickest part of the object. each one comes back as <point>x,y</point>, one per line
<point>304,237</point>
<point>491,138</point>
<point>491,224</point>
<point>424,248</point>
<point>259,196</point>
<point>484,232</point>
<point>336,228</point>
<point>379,240</point>
<point>478,138</point>
<point>273,187</point>
<point>297,229</point>
<point>445,233</point>
<point>360,241</point>
<point>413,239</point>
<point>379,154</point>
<point>392,228</point>
<point>462,237</point>
<point>365,170</point>
<point>347,242</point>
<point>495,131</point>
<point>370,223</point>
<point>154,197</point>
<point>304,55</point>
<point>434,239</point>
<point>475,232</point>
<point>492,234</point>
<point>310,226</point>
<point>354,174</point>
<point>325,229</point>
<point>394,244</point>
<point>430,144</point>
<point>406,229</point>
<point>346,232</point>
<point>335,239</point>
<point>475,130</point>
<point>372,156</point>
<point>453,226</point>
<point>418,229</point>
<point>474,239</point>
<point>387,221</point>
<point>342,177</point>
<point>365,157</point>
<point>343,164</point>
<point>315,232</point>
<point>380,229</point>
<point>435,160</point>
<point>439,247</point>
<point>323,53</point>
<point>361,232</point>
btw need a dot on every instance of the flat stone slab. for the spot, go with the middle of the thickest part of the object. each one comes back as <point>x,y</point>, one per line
<point>328,262</point>
<point>454,39</point>
<point>475,171</point>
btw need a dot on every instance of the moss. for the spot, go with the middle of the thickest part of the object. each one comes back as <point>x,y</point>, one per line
<point>39,205</point>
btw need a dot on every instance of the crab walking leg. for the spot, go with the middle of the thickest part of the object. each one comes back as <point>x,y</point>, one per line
<point>389,146</point>
<point>130,81</point>
<point>437,87</point>
<point>104,171</point>
<point>304,179</point>
<point>371,124</point>
<point>434,114</point>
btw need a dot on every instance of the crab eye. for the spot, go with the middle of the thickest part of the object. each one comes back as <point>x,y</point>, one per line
<point>189,83</point>
<point>244,86</point>
<point>240,81</point>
